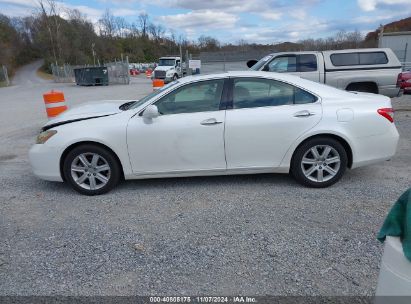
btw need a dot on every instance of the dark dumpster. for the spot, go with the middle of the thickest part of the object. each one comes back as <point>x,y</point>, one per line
<point>90,76</point>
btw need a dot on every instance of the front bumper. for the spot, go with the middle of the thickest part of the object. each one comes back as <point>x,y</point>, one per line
<point>45,162</point>
<point>166,79</point>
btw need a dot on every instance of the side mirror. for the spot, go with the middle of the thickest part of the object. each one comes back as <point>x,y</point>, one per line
<point>251,62</point>
<point>151,112</point>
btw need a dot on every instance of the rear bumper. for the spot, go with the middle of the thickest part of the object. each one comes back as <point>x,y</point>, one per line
<point>377,148</point>
<point>389,90</point>
<point>45,162</point>
<point>406,89</point>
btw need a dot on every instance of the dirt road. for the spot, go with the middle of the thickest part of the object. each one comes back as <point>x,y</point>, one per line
<point>27,75</point>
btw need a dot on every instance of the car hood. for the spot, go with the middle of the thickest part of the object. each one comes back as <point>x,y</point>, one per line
<point>87,111</point>
<point>163,68</point>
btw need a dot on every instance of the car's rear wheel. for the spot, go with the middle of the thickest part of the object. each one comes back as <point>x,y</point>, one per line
<point>319,162</point>
<point>91,169</point>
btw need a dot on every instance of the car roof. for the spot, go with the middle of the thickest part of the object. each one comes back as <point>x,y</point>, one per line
<point>247,73</point>
<point>314,87</point>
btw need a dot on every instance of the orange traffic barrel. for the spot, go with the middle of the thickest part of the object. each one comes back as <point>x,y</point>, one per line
<point>157,83</point>
<point>148,73</point>
<point>55,103</point>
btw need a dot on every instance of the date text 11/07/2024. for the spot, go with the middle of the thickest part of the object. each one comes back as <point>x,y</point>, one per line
<point>235,299</point>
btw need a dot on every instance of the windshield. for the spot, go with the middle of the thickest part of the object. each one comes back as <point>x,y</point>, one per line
<point>143,100</point>
<point>259,64</point>
<point>167,62</point>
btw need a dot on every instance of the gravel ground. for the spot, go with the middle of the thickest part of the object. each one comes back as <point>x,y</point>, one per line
<point>248,234</point>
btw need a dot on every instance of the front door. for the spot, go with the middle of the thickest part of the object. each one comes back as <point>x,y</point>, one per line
<point>283,64</point>
<point>188,135</point>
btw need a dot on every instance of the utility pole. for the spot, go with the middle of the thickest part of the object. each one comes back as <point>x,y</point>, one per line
<point>188,70</point>
<point>93,52</point>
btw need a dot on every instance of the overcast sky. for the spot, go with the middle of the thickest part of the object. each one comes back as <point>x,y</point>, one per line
<point>261,21</point>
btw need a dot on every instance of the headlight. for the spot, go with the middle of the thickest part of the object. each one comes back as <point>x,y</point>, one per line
<point>44,136</point>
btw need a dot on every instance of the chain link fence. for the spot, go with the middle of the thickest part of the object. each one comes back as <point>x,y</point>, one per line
<point>64,73</point>
<point>406,66</point>
<point>118,72</point>
<point>223,61</point>
<point>403,58</point>
<point>4,76</point>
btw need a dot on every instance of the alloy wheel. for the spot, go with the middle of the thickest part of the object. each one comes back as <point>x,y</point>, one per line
<point>90,171</point>
<point>321,163</point>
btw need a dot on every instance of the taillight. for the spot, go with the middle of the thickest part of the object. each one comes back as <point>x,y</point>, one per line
<point>387,113</point>
<point>399,79</point>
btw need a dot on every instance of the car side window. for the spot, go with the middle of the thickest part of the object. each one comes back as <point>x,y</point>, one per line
<point>360,58</point>
<point>254,93</point>
<point>201,96</point>
<point>307,63</point>
<point>283,64</point>
<point>303,97</point>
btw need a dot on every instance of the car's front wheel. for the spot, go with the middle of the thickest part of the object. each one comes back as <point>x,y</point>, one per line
<point>91,169</point>
<point>319,162</point>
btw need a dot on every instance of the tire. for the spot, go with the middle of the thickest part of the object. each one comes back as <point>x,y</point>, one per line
<point>91,169</point>
<point>312,169</point>
<point>175,77</point>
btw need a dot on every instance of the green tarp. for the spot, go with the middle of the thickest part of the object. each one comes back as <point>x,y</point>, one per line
<point>398,223</point>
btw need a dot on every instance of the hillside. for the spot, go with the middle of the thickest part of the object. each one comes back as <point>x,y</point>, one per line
<point>396,26</point>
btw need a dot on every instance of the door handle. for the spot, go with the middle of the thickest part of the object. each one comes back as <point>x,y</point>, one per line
<point>210,122</point>
<point>303,113</point>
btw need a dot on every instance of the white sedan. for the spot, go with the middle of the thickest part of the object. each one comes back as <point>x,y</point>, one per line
<point>229,123</point>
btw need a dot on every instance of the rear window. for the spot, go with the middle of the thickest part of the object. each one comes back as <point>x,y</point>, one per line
<point>373,58</point>
<point>363,58</point>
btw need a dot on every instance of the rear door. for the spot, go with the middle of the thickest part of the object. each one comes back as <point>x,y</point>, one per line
<point>265,118</point>
<point>307,65</point>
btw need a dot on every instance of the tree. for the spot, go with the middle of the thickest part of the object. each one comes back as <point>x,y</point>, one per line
<point>52,27</point>
<point>107,24</point>
<point>156,31</point>
<point>208,43</point>
<point>143,21</point>
<point>121,26</point>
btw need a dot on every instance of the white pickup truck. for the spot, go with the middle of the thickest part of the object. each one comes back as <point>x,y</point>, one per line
<point>365,70</point>
<point>169,69</point>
